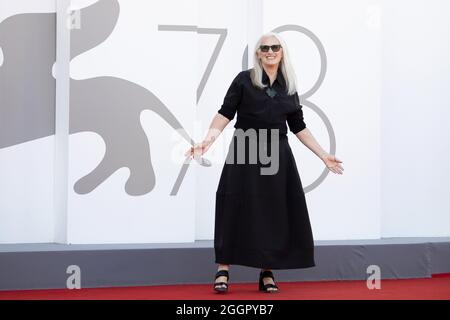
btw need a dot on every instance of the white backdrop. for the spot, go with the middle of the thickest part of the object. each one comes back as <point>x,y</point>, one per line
<point>26,169</point>
<point>138,52</point>
<point>415,110</point>
<point>383,93</point>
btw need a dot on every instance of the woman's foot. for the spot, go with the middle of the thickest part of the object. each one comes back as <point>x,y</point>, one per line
<point>221,280</point>
<point>267,282</point>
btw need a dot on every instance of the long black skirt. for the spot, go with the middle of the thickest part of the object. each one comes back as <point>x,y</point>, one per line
<point>261,220</point>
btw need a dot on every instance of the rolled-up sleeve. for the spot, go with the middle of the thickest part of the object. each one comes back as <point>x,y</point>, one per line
<point>295,119</point>
<point>232,98</point>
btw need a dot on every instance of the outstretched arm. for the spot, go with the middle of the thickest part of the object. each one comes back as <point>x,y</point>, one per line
<point>332,163</point>
<point>218,123</point>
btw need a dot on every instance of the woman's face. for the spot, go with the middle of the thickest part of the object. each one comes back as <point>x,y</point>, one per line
<point>270,57</point>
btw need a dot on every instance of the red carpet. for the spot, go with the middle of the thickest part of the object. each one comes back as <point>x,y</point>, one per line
<point>436,288</point>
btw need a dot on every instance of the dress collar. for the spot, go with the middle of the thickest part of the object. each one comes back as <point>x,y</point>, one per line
<point>279,78</point>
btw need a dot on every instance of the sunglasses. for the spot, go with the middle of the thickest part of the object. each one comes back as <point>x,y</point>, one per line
<point>274,47</point>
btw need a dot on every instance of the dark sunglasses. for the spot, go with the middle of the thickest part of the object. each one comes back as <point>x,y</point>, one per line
<point>274,47</point>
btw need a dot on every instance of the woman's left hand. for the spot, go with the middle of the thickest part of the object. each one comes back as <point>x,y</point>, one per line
<point>332,163</point>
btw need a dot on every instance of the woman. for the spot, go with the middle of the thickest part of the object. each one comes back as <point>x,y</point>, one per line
<point>261,220</point>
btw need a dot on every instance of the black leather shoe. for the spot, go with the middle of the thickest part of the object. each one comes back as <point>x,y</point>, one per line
<point>221,286</point>
<point>270,287</point>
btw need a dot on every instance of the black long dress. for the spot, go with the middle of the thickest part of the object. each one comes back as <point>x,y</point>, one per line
<point>261,220</point>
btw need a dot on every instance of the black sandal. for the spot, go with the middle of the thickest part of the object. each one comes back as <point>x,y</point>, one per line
<point>267,287</point>
<point>218,286</point>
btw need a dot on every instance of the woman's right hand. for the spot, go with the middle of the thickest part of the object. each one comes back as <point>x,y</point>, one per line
<point>198,149</point>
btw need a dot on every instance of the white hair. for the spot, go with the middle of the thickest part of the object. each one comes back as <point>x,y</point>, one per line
<point>286,67</point>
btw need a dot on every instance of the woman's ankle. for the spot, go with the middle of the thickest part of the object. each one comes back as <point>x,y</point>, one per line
<point>223,267</point>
